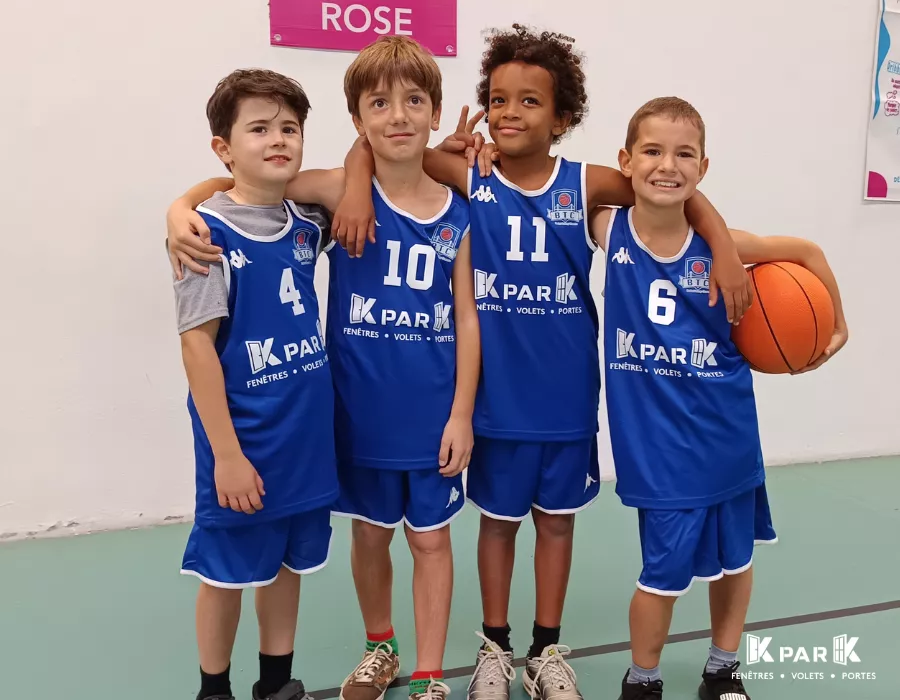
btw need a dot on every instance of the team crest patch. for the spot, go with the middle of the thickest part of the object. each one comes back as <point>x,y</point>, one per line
<point>565,208</point>
<point>696,275</point>
<point>303,251</point>
<point>445,240</point>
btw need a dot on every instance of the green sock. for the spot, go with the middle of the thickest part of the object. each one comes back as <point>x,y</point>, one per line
<point>373,640</point>
<point>421,680</point>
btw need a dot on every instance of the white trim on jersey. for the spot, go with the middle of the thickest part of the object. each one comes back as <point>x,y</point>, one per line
<point>298,215</point>
<point>532,193</point>
<point>226,270</point>
<point>260,239</point>
<point>587,218</point>
<point>609,228</point>
<point>403,212</point>
<point>658,258</point>
<point>469,183</point>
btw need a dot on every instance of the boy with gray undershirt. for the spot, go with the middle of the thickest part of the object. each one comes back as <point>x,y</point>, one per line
<point>261,399</point>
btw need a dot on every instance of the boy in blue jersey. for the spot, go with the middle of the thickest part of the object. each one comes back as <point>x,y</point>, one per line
<point>682,414</point>
<point>405,356</point>
<point>261,398</point>
<point>537,405</point>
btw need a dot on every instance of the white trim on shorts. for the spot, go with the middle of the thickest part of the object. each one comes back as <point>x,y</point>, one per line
<point>233,586</point>
<point>494,516</point>
<point>317,567</point>
<point>439,526</point>
<point>566,511</point>
<point>354,516</point>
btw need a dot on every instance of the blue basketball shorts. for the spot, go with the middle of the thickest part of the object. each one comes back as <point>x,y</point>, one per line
<point>424,499</point>
<point>507,478</point>
<point>250,556</point>
<point>703,544</point>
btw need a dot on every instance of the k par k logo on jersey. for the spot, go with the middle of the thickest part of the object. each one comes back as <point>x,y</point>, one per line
<point>843,651</point>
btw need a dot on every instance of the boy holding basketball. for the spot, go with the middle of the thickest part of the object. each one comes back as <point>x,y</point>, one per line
<point>682,414</point>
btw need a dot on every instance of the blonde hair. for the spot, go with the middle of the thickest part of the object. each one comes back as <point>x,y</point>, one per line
<point>392,59</point>
<point>675,109</point>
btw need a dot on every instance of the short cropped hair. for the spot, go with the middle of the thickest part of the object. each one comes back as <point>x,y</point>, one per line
<point>392,59</point>
<point>549,50</point>
<point>675,109</point>
<point>222,108</point>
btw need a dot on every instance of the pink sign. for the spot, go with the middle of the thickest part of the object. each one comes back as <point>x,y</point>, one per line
<point>343,25</point>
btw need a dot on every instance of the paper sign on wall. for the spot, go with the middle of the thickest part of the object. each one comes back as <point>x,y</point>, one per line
<point>883,145</point>
<point>343,25</point>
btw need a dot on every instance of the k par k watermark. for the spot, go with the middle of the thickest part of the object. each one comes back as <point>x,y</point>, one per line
<point>841,652</point>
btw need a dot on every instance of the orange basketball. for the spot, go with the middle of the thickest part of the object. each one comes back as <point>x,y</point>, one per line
<point>790,322</point>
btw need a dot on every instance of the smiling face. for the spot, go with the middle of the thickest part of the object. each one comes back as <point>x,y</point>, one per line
<point>397,120</point>
<point>522,117</point>
<point>265,147</point>
<point>666,161</point>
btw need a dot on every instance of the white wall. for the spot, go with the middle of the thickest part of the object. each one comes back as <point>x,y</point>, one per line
<point>93,428</point>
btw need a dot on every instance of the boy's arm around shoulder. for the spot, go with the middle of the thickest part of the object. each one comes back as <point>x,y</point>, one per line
<point>449,163</point>
<point>458,439</point>
<point>188,237</point>
<point>607,186</point>
<point>759,249</point>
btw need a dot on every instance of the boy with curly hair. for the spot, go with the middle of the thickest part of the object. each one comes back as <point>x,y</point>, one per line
<point>536,412</point>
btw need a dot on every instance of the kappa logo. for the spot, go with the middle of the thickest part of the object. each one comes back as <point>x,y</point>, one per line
<point>454,497</point>
<point>484,194</point>
<point>565,209</point>
<point>303,252</point>
<point>238,259</point>
<point>696,275</point>
<point>445,241</point>
<point>623,257</point>
<point>588,481</point>
<point>261,355</point>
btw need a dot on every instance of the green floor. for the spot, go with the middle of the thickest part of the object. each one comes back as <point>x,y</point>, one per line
<point>107,616</point>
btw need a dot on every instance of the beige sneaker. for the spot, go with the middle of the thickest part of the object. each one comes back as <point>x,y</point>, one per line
<point>376,671</point>
<point>436,691</point>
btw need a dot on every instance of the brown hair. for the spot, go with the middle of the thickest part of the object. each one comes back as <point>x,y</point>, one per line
<point>549,50</point>
<point>222,108</point>
<point>675,109</point>
<point>392,59</point>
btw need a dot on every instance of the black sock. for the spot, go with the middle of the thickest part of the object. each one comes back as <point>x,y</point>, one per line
<point>542,637</point>
<point>498,635</point>
<point>214,684</point>
<point>274,673</point>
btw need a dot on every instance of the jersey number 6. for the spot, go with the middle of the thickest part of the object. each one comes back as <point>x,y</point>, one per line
<point>661,309</point>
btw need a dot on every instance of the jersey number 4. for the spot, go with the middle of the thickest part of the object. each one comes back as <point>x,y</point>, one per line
<point>515,240</point>
<point>289,293</point>
<point>661,304</point>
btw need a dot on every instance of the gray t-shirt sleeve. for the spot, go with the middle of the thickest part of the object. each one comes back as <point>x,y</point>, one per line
<point>200,298</point>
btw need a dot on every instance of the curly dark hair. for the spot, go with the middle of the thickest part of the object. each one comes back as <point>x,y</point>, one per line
<point>550,51</point>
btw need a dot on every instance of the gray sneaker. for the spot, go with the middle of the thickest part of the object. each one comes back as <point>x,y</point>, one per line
<point>549,677</point>
<point>493,673</point>
<point>436,691</point>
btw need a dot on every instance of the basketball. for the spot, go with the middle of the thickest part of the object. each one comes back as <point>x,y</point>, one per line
<point>790,322</point>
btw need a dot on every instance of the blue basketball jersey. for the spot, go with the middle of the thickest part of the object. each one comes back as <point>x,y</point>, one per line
<point>532,255</point>
<point>682,414</point>
<point>391,337</point>
<point>277,376</point>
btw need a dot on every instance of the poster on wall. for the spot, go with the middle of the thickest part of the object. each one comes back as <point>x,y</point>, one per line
<point>883,143</point>
<point>343,25</point>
